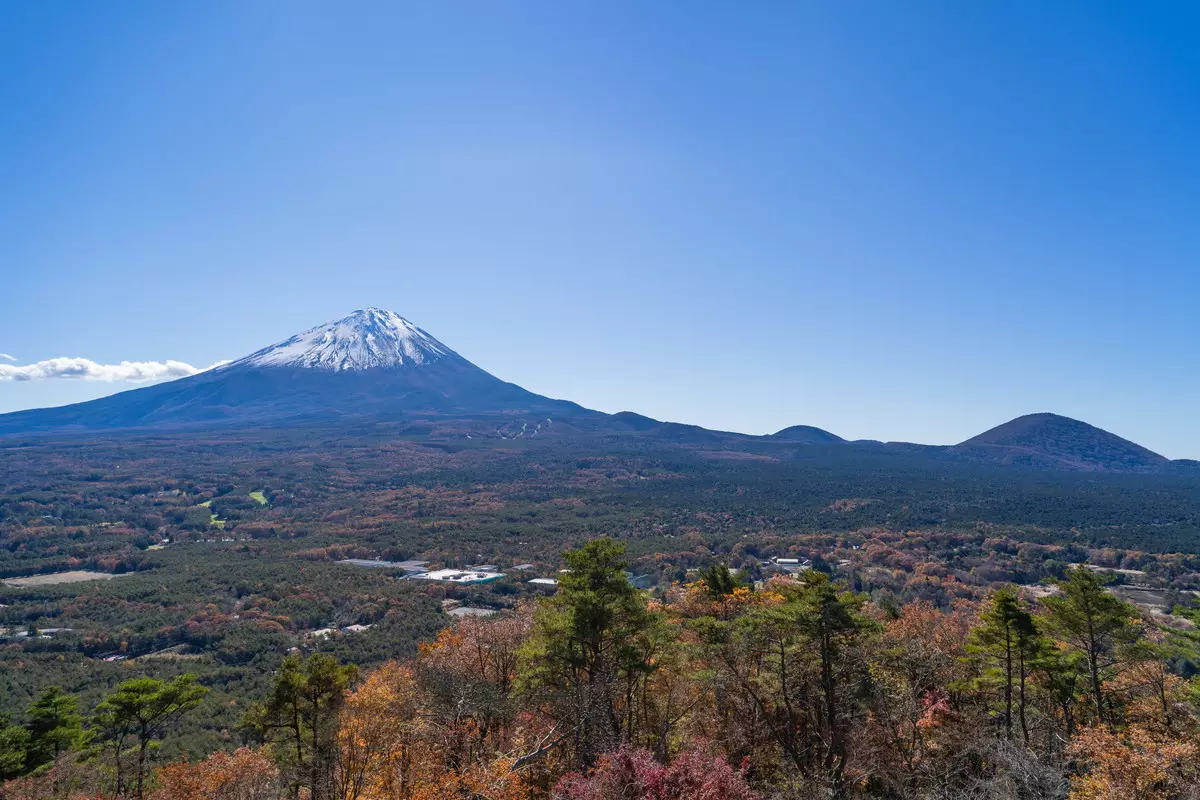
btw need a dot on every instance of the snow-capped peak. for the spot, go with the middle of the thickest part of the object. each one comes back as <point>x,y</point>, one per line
<point>367,339</point>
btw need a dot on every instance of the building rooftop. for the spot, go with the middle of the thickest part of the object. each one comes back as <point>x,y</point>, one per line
<point>639,581</point>
<point>407,566</point>
<point>466,611</point>
<point>458,576</point>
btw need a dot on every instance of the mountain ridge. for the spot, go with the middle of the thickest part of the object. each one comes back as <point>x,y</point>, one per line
<point>374,364</point>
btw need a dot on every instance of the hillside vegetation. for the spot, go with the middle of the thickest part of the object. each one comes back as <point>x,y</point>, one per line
<point>797,687</point>
<point>897,533</point>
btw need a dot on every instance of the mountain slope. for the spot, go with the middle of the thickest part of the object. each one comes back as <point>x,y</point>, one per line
<point>1050,440</point>
<point>370,363</point>
<point>371,338</point>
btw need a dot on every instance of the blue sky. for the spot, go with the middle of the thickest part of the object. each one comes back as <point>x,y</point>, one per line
<point>892,220</point>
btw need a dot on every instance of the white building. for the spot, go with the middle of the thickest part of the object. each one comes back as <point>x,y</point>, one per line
<point>458,576</point>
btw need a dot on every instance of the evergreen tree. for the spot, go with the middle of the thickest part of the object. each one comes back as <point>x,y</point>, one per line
<point>590,650</point>
<point>301,715</point>
<point>1006,644</point>
<point>14,747</point>
<point>719,581</point>
<point>833,623</point>
<point>134,718</point>
<point>55,726</point>
<point>1094,622</point>
<point>793,663</point>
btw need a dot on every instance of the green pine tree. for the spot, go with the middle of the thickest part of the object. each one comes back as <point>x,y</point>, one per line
<point>300,715</point>
<point>719,581</point>
<point>1096,623</point>
<point>591,649</point>
<point>133,719</point>
<point>55,726</point>
<point>14,746</point>
<point>1006,645</point>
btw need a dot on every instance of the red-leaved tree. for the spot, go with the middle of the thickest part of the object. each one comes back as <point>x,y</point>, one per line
<point>633,774</point>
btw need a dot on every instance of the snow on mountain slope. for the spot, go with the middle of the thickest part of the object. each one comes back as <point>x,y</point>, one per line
<point>370,338</point>
<point>372,364</point>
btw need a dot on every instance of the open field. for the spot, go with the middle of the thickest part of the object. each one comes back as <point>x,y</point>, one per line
<point>74,576</point>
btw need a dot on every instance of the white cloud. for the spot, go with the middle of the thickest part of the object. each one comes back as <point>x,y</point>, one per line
<point>7,357</point>
<point>88,370</point>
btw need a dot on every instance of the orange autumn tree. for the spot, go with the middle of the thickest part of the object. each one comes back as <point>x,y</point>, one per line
<point>1135,764</point>
<point>468,674</point>
<point>440,727</point>
<point>499,779</point>
<point>381,742</point>
<point>243,775</point>
<point>1150,694</point>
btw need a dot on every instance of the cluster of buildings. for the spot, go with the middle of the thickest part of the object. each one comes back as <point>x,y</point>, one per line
<point>325,633</point>
<point>789,565</point>
<point>418,571</point>
<point>486,573</point>
<point>480,573</point>
<point>462,577</point>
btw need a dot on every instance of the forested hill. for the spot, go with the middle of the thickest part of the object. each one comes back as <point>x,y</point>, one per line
<point>1050,440</point>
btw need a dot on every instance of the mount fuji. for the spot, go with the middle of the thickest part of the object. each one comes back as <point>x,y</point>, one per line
<point>367,339</point>
<point>370,364</point>
<point>374,367</point>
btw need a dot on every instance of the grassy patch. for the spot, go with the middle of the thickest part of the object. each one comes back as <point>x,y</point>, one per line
<point>213,519</point>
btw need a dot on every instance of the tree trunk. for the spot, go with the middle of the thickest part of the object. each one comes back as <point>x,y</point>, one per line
<point>1008,676</point>
<point>836,761</point>
<point>143,743</point>
<point>1021,699</point>
<point>119,790</point>
<point>314,756</point>
<point>1094,668</point>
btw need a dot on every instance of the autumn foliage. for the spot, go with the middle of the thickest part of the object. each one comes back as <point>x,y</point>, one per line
<point>795,688</point>
<point>242,775</point>
<point>633,774</point>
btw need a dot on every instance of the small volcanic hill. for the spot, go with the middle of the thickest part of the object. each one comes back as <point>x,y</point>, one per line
<point>1050,440</point>
<point>807,434</point>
